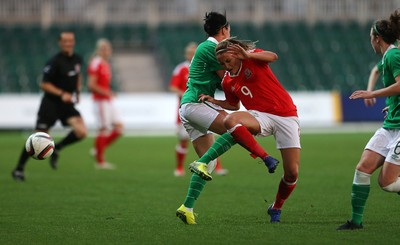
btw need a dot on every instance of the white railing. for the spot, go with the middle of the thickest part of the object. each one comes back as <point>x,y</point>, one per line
<point>153,12</point>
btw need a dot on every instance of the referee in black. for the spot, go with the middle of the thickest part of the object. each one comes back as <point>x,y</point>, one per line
<point>62,81</point>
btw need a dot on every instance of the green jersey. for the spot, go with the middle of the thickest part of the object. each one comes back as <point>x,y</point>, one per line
<point>203,78</point>
<point>390,70</point>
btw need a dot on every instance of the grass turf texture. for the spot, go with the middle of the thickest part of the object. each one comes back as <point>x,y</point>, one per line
<point>136,203</point>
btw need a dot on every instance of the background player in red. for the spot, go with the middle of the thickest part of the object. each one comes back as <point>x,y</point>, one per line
<point>271,111</point>
<point>178,85</point>
<point>99,80</point>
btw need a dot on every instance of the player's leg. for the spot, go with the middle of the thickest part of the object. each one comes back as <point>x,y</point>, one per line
<point>389,176</point>
<point>46,118</point>
<point>197,184</point>
<point>371,159</point>
<point>18,172</point>
<point>291,162</point>
<point>242,126</point>
<point>77,133</point>
<point>389,179</point>
<point>181,150</point>
<point>369,162</point>
<point>202,117</point>
<point>114,120</point>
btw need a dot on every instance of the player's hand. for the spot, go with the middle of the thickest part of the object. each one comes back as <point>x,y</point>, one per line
<point>369,102</point>
<point>204,97</point>
<point>385,111</point>
<point>361,94</point>
<point>66,97</point>
<point>238,52</point>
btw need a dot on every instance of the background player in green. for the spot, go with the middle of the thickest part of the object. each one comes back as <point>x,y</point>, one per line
<point>383,149</point>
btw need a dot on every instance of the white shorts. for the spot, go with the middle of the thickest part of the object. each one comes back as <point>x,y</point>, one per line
<point>197,118</point>
<point>105,114</point>
<point>386,142</point>
<point>181,132</point>
<point>286,130</point>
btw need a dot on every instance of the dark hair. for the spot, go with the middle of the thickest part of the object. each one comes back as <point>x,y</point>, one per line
<point>222,47</point>
<point>213,22</point>
<point>389,30</point>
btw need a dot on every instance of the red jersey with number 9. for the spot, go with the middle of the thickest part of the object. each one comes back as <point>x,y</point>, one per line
<point>258,89</point>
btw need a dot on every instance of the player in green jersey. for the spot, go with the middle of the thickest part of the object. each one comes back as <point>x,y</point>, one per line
<point>383,149</point>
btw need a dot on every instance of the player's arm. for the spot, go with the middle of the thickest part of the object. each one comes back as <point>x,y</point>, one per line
<point>223,103</point>
<point>393,89</point>
<point>373,77</point>
<point>94,86</point>
<point>265,56</point>
<point>176,90</point>
<point>49,88</point>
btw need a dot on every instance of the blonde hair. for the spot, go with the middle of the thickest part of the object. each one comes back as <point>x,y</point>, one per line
<point>222,47</point>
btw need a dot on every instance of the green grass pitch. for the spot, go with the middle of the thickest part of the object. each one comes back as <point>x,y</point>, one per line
<point>136,203</point>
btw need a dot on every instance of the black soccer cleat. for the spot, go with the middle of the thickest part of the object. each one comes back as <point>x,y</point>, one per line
<point>54,159</point>
<point>349,225</point>
<point>18,175</point>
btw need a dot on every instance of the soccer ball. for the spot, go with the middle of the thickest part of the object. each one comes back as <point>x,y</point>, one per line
<point>39,145</point>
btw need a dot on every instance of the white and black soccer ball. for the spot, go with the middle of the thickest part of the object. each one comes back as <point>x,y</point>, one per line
<point>39,145</point>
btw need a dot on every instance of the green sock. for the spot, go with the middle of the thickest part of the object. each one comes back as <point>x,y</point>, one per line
<point>195,187</point>
<point>221,145</point>
<point>359,196</point>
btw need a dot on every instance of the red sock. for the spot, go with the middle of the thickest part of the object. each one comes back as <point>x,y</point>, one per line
<point>100,144</point>
<point>180,156</point>
<point>284,191</point>
<point>244,138</point>
<point>218,165</point>
<point>112,137</point>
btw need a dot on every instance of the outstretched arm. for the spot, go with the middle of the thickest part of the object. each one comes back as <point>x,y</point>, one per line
<point>393,89</point>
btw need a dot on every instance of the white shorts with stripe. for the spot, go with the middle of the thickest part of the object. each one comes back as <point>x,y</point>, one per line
<point>197,118</point>
<point>105,114</point>
<point>386,142</point>
<point>286,130</point>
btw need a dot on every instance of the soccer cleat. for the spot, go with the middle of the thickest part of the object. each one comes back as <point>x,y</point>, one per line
<point>105,166</point>
<point>221,171</point>
<point>200,169</point>
<point>275,214</point>
<point>186,216</point>
<point>349,225</point>
<point>179,172</point>
<point>271,163</point>
<point>18,175</point>
<point>54,159</point>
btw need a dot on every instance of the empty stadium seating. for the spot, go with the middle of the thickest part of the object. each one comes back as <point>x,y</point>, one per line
<point>321,56</point>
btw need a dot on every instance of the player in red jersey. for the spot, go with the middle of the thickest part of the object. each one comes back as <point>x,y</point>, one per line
<point>178,85</point>
<point>110,126</point>
<point>270,111</point>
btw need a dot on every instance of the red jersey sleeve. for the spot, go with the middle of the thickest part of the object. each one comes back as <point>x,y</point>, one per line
<point>228,87</point>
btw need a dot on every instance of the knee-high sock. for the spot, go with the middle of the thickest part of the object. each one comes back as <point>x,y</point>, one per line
<point>115,134</point>
<point>23,158</point>
<point>100,144</point>
<point>221,145</point>
<point>284,190</point>
<point>180,153</point>
<point>244,138</point>
<point>69,139</point>
<point>359,195</point>
<point>195,187</point>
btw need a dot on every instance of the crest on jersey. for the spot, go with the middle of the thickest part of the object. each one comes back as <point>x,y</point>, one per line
<point>247,73</point>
